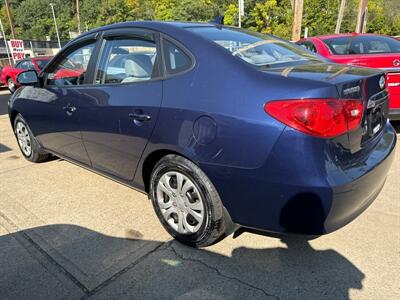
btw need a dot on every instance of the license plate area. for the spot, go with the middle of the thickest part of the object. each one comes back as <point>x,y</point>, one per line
<point>374,120</point>
<point>375,116</point>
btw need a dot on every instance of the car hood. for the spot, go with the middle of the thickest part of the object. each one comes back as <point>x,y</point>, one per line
<point>324,72</point>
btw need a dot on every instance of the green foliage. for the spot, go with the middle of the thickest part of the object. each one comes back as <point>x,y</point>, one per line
<point>33,18</point>
<point>231,15</point>
<point>320,16</point>
<point>272,17</point>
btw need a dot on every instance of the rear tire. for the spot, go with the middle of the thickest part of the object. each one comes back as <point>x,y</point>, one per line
<point>27,143</point>
<point>186,202</point>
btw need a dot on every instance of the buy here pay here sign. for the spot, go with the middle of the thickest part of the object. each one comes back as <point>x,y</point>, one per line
<point>17,49</point>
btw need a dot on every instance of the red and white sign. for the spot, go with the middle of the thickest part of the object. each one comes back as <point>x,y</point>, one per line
<point>17,49</point>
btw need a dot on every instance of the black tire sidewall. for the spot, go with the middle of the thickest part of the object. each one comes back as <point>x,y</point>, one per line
<point>205,232</point>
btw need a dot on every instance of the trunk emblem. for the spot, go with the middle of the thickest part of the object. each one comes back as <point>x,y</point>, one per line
<point>396,62</point>
<point>382,82</point>
<point>352,90</point>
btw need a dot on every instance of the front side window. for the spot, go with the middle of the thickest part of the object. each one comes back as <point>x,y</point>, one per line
<point>127,60</point>
<point>25,64</point>
<point>255,48</point>
<point>338,46</point>
<point>175,59</point>
<point>42,63</point>
<point>310,46</point>
<point>71,70</point>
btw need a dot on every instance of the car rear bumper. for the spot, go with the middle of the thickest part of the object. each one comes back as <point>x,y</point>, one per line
<point>303,194</point>
<point>394,114</point>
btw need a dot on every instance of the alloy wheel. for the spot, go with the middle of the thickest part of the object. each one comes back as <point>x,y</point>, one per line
<point>24,139</point>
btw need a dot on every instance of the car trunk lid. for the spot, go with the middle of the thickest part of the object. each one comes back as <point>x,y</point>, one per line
<point>352,83</point>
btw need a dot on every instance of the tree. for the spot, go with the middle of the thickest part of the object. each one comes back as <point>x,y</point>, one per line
<point>33,19</point>
<point>272,17</point>
<point>231,15</point>
<point>195,10</point>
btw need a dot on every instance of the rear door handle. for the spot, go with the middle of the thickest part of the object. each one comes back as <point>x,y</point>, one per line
<point>139,117</point>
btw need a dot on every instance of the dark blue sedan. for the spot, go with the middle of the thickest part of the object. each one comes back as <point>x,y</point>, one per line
<point>222,127</point>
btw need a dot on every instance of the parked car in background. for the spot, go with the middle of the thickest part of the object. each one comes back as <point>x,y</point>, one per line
<point>220,126</point>
<point>9,73</point>
<point>366,50</point>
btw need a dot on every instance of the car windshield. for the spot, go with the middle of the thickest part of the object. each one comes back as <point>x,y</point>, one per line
<point>369,44</point>
<point>255,48</point>
<point>42,63</point>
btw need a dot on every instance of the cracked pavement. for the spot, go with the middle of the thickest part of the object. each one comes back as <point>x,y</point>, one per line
<point>67,233</point>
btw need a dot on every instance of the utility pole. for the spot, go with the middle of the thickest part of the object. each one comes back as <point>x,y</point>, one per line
<point>5,42</point>
<point>55,24</point>
<point>10,19</point>
<point>298,15</point>
<point>78,17</point>
<point>362,16</point>
<point>340,16</point>
<point>240,12</point>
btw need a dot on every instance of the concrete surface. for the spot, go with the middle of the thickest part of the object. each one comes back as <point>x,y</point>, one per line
<point>67,233</point>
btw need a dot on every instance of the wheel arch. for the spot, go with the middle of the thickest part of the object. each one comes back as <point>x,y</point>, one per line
<point>13,115</point>
<point>151,160</point>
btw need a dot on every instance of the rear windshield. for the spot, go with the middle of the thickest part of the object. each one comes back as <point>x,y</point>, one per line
<point>255,48</point>
<point>362,45</point>
<point>42,63</point>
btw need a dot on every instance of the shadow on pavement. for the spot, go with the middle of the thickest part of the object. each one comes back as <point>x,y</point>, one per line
<point>3,103</point>
<point>172,270</point>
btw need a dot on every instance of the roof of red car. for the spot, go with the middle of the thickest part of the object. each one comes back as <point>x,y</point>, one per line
<point>41,58</point>
<point>329,36</point>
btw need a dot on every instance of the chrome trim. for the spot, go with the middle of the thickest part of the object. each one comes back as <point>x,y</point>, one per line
<point>377,99</point>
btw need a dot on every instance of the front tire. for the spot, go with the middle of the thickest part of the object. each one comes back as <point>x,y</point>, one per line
<point>27,143</point>
<point>186,202</point>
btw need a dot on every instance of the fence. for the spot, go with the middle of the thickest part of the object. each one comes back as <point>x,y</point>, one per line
<point>32,48</point>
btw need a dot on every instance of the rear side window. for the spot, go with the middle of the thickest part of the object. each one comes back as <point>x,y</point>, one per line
<point>176,60</point>
<point>363,45</point>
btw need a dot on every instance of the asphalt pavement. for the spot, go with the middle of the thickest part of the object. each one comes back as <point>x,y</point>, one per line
<point>67,233</point>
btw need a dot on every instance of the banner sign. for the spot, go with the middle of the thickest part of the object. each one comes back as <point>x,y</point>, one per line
<point>17,49</point>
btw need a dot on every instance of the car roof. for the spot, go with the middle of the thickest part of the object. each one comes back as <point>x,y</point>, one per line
<point>41,58</point>
<point>156,25</point>
<point>329,36</point>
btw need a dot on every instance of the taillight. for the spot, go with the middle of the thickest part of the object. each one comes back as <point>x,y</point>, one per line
<point>324,118</point>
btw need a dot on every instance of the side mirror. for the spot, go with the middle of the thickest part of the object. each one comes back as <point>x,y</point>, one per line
<point>29,77</point>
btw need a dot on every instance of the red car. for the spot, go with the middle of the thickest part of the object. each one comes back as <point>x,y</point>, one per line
<point>9,73</point>
<point>366,50</point>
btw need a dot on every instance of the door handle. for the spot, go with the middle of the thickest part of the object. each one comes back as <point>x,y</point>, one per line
<point>139,117</point>
<point>69,109</point>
